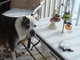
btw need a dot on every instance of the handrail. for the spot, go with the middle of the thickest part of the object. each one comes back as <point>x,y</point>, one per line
<point>41,4</point>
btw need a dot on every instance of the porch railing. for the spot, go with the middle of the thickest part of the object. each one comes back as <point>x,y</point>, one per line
<point>60,6</point>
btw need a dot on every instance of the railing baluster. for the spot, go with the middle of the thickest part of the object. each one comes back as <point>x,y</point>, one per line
<point>52,5</point>
<point>78,16</point>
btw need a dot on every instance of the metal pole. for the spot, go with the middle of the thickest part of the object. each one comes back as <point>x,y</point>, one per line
<point>28,50</point>
<point>65,11</point>
<point>39,51</point>
<point>29,41</point>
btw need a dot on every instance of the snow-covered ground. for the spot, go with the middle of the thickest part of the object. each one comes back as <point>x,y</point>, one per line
<point>27,56</point>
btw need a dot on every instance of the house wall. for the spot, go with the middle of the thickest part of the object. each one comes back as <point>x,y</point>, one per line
<point>27,4</point>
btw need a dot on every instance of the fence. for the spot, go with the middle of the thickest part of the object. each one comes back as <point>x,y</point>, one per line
<point>60,6</point>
